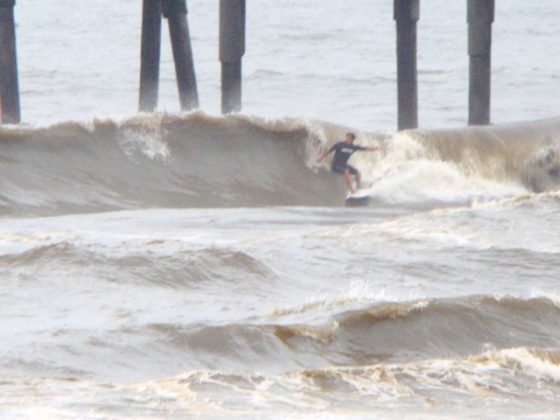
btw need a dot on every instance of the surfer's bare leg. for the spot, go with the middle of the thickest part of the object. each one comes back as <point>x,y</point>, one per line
<point>358,180</point>
<point>348,180</point>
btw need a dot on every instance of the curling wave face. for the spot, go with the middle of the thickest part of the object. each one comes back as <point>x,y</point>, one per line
<point>201,161</point>
<point>158,161</point>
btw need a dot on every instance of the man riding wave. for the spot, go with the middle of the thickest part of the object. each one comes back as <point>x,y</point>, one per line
<point>342,152</point>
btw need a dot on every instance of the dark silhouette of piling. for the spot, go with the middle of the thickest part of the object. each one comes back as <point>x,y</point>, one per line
<point>232,49</point>
<point>150,55</point>
<point>176,13</point>
<point>407,14</point>
<point>9,86</point>
<point>480,16</point>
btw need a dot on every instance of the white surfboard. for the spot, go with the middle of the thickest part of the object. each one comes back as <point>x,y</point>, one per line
<point>359,198</point>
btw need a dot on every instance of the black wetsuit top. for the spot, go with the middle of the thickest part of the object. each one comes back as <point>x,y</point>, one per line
<point>342,152</point>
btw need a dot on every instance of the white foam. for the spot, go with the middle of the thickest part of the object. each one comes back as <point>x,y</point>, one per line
<point>148,142</point>
<point>530,363</point>
<point>408,173</point>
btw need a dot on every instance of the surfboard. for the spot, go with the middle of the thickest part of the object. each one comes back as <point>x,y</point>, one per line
<point>357,199</point>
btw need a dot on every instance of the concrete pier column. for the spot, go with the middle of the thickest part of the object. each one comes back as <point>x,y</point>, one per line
<point>480,16</point>
<point>150,55</point>
<point>232,49</point>
<point>407,14</point>
<point>9,85</point>
<point>176,13</point>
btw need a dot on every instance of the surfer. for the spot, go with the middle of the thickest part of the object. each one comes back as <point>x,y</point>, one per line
<point>342,152</point>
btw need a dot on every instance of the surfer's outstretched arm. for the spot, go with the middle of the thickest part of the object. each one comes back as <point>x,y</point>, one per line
<point>325,154</point>
<point>373,148</point>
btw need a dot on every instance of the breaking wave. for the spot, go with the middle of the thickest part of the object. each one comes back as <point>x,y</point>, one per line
<point>238,161</point>
<point>385,333</point>
<point>497,375</point>
<point>508,379</point>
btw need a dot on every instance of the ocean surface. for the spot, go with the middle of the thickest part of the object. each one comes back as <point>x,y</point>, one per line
<point>170,266</point>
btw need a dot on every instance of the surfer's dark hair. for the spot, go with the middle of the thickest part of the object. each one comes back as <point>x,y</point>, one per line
<point>352,136</point>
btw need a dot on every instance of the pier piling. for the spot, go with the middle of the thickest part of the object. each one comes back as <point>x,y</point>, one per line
<point>9,86</point>
<point>150,55</point>
<point>480,16</point>
<point>176,13</point>
<point>407,14</point>
<point>232,49</point>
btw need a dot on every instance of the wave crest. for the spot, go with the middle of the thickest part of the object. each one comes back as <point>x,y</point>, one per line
<point>196,160</point>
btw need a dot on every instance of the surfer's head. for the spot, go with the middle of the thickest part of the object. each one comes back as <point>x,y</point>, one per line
<point>350,137</point>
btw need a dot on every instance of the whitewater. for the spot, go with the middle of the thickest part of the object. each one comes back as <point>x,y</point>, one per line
<point>194,265</point>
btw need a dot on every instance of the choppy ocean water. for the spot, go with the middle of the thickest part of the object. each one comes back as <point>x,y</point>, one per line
<point>175,266</point>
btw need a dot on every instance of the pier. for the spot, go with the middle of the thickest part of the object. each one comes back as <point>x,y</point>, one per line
<point>175,11</point>
<point>232,49</point>
<point>9,84</point>
<point>480,16</point>
<point>407,14</point>
<point>232,35</point>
